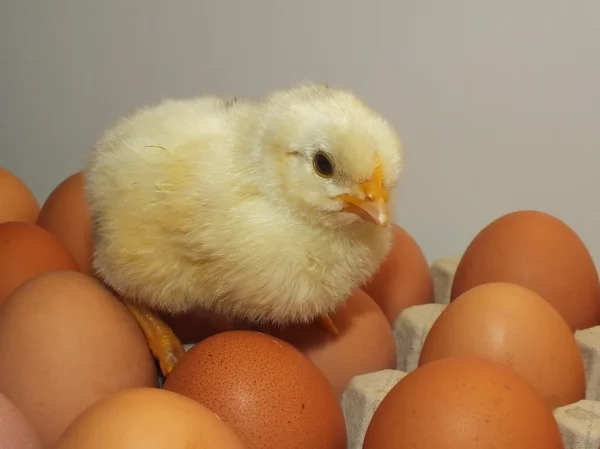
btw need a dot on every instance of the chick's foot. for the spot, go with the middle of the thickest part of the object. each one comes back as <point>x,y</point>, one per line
<point>163,343</point>
<point>327,323</point>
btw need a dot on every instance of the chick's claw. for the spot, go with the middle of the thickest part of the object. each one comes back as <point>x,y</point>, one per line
<point>167,356</point>
<point>163,343</point>
<point>327,323</point>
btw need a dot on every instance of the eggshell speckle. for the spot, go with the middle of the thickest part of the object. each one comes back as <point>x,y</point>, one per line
<point>268,391</point>
<point>15,430</point>
<point>540,252</point>
<point>65,342</point>
<point>17,203</point>
<point>148,418</point>
<point>66,216</point>
<point>463,403</point>
<point>365,343</point>
<point>26,251</point>
<point>403,279</point>
<point>513,325</point>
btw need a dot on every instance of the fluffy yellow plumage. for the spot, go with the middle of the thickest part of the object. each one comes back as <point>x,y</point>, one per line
<point>269,211</point>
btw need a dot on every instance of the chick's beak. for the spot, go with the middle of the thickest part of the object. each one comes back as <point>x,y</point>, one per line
<point>374,205</point>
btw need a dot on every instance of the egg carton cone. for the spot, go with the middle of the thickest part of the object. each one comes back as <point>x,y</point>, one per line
<point>579,423</point>
<point>362,397</point>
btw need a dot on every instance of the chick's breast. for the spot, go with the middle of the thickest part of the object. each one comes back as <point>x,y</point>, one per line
<point>178,222</point>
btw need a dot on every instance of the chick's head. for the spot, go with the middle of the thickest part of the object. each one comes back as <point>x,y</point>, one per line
<point>330,157</point>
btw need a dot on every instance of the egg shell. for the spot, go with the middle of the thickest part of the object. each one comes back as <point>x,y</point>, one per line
<point>66,342</point>
<point>15,430</point>
<point>540,252</point>
<point>17,202</point>
<point>65,214</point>
<point>148,418</point>
<point>26,251</point>
<point>463,403</point>
<point>365,343</point>
<point>513,325</point>
<point>265,389</point>
<point>403,279</point>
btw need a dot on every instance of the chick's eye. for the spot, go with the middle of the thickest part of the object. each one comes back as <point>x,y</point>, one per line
<point>322,164</point>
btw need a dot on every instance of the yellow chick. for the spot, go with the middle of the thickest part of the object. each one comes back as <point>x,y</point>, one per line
<point>271,211</point>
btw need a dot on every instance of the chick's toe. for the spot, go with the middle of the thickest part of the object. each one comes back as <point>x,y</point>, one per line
<point>163,343</point>
<point>327,323</point>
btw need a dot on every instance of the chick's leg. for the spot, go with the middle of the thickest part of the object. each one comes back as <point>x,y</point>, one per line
<point>327,323</point>
<point>163,343</point>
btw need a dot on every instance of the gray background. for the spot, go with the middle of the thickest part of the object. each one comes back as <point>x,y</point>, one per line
<point>497,101</point>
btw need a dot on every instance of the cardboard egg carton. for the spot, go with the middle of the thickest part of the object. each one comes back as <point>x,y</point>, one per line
<point>579,423</point>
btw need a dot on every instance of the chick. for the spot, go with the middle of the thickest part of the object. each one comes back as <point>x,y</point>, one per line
<point>269,211</point>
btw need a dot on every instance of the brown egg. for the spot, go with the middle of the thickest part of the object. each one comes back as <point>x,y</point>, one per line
<point>513,325</point>
<point>540,252</point>
<point>403,279</point>
<point>148,418</point>
<point>15,430</point>
<point>365,343</point>
<point>26,251</point>
<point>463,403</point>
<point>17,203</point>
<point>268,391</point>
<point>65,342</point>
<point>66,216</point>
